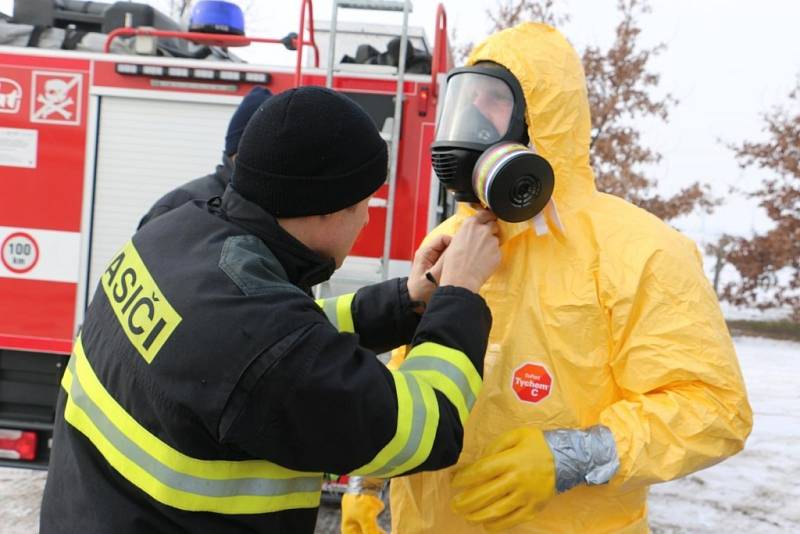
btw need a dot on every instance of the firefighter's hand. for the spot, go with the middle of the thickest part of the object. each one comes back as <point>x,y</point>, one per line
<point>474,252</point>
<point>427,269</point>
<point>512,481</point>
<point>360,514</point>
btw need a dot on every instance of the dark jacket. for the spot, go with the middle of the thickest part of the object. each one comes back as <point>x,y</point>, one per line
<point>204,188</point>
<point>208,392</point>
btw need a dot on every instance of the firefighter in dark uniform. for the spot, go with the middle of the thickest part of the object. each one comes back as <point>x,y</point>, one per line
<point>214,184</point>
<point>208,391</point>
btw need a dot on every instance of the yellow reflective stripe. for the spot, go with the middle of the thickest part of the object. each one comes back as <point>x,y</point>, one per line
<point>183,500</point>
<point>400,438</point>
<point>428,367</point>
<point>418,419</point>
<point>246,487</point>
<point>344,313</point>
<point>452,356</point>
<point>423,449</point>
<point>448,388</point>
<point>66,380</point>
<point>339,312</point>
<point>213,469</point>
<point>329,309</point>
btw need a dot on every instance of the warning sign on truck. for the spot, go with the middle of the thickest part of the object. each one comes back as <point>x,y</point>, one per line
<point>56,97</point>
<point>37,254</point>
<point>20,252</point>
<point>10,96</point>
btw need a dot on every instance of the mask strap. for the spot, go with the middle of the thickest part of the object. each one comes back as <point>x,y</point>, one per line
<point>540,221</point>
<point>540,224</point>
<point>552,211</point>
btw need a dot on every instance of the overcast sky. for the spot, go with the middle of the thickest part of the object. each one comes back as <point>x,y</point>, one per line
<point>727,62</point>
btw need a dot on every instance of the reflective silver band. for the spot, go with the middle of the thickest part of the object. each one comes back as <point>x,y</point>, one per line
<point>177,480</point>
<point>329,309</point>
<point>418,417</point>
<point>583,456</point>
<point>456,375</point>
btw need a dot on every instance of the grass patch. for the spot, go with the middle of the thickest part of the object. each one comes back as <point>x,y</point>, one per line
<point>770,329</point>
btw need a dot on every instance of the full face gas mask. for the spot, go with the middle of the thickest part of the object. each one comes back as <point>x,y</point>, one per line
<point>481,150</point>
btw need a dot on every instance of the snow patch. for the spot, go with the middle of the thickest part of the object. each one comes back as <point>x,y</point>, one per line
<point>756,491</point>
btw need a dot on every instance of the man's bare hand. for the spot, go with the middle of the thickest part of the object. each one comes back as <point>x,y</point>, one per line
<point>474,252</point>
<point>427,260</point>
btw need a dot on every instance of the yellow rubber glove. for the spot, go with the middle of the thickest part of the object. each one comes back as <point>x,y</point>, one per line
<point>513,480</point>
<point>360,514</point>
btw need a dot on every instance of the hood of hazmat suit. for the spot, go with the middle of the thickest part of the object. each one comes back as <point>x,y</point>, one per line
<point>607,318</point>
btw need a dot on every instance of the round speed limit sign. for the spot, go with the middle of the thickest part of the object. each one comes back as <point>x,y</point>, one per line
<point>20,252</point>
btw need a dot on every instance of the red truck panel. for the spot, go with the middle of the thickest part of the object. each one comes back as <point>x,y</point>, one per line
<point>42,200</point>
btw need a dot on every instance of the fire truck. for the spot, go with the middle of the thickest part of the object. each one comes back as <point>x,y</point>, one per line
<point>105,107</point>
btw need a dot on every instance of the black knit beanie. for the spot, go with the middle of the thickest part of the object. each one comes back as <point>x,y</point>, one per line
<point>241,116</point>
<point>309,151</point>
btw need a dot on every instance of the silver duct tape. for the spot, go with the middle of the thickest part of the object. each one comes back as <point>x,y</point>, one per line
<point>365,486</point>
<point>586,456</point>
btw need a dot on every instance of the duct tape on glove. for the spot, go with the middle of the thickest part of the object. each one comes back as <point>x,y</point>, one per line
<point>586,456</point>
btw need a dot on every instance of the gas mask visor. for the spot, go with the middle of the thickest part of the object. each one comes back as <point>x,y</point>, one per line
<point>480,152</point>
<point>477,109</point>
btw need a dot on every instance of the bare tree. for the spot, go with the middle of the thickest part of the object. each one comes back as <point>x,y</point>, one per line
<point>460,50</point>
<point>621,92</point>
<point>180,9</point>
<point>769,263</point>
<point>508,13</point>
<point>719,250</point>
<point>620,87</point>
<point>177,10</point>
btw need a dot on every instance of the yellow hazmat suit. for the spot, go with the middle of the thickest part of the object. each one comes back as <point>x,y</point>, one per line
<point>609,321</point>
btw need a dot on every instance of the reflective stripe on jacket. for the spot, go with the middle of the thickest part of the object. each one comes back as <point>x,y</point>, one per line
<point>208,392</point>
<point>166,474</point>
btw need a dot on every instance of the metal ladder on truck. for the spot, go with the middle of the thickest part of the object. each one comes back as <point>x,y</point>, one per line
<point>392,138</point>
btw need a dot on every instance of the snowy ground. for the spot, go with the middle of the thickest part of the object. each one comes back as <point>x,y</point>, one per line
<point>758,491</point>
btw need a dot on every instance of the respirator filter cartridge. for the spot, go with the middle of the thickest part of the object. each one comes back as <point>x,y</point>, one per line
<point>513,181</point>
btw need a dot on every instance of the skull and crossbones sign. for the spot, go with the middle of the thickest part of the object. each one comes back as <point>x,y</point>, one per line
<point>56,98</point>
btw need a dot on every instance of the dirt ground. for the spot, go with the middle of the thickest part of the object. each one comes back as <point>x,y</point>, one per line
<point>755,491</point>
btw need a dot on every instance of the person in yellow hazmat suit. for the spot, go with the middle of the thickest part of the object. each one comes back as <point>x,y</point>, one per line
<point>609,366</point>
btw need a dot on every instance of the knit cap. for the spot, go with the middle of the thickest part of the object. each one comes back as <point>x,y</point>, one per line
<point>309,151</point>
<point>241,116</point>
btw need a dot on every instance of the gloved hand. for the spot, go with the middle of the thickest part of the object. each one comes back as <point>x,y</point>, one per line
<point>524,468</point>
<point>360,514</point>
<point>361,505</point>
<point>511,482</point>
